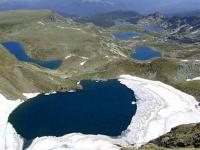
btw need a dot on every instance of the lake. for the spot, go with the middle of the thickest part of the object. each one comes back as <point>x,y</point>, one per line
<point>127,35</point>
<point>154,28</point>
<point>122,22</point>
<point>18,51</point>
<point>103,107</point>
<point>145,53</point>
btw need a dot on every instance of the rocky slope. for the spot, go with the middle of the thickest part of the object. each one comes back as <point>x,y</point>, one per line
<point>184,29</point>
<point>179,29</point>
<point>107,19</point>
<point>182,136</point>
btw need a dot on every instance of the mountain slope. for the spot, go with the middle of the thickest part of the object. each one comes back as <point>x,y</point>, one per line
<point>107,19</point>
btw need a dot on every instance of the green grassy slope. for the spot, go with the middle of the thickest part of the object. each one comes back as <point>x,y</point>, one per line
<point>46,36</point>
<point>20,77</point>
<point>182,136</point>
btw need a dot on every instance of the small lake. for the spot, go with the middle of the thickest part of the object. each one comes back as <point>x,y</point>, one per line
<point>145,53</point>
<point>154,28</point>
<point>103,107</point>
<point>18,51</point>
<point>122,22</point>
<point>126,35</point>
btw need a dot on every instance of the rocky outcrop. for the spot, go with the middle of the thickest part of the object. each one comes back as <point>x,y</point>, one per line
<point>182,136</point>
<point>183,29</point>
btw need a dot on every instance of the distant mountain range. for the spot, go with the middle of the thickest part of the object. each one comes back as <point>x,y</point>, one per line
<point>184,29</point>
<point>92,7</point>
<point>188,13</point>
<point>107,19</point>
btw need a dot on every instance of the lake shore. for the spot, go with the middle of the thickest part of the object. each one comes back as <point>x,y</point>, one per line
<point>160,107</point>
<point>9,139</point>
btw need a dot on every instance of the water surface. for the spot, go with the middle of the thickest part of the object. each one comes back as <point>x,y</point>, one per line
<point>127,35</point>
<point>99,108</point>
<point>122,22</point>
<point>145,53</point>
<point>154,28</point>
<point>18,51</point>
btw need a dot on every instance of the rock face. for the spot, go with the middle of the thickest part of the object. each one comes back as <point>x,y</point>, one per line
<point>156,17</point>
<point>184,29</point>
<point>182,136</point>
<point>180,29</point>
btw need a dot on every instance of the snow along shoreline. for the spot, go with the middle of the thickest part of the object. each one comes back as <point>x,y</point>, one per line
<point>9,139</point>
<point>160,107</point>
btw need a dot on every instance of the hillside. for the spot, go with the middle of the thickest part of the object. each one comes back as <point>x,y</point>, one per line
<point>107,19</point>
<point>182,136</point>
<point>46,35</point>
<point>181,29</point>
<point>90,52</point>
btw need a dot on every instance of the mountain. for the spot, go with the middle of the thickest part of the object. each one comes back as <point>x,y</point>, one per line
<point>90,53</point>
<point>178,28</point>
<point>92,7</point>
<point>184,29</point>
<point>188,13</point>
<point>107,19</point>
<point>74,7</point>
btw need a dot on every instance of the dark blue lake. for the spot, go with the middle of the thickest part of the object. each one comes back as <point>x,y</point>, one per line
<point>145,53</point>
<point>126,35</point>
<point>122,22</point>
<point>99,108</point>
<point>153,28</point>
<point>18,51</point>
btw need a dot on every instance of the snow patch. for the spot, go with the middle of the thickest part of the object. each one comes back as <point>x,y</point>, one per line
<point>84,57</point>
<point>67,57</point>
<point>74,142</point>
<point>195,32</point>
<point>9,140</point>
<point>82,63</point>
<point>13,140</point>
<point>194,79</point>
<point>60,27</point>
<point>41,23</point>
<point>185,60</point>
<point>160,108</point>
<point>50,93</point>
<point>30,95</point>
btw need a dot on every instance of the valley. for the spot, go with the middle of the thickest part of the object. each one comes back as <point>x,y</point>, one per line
<point>101,52</point>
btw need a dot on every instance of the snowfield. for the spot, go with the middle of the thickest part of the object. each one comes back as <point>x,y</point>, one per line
<point>194,79</point>
<point>9,140</point>
<point>74,141</point>
<point>30,95</point>
<point>160,107</point>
